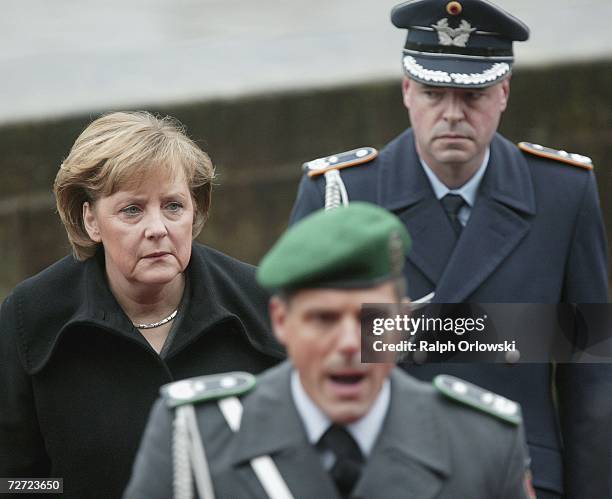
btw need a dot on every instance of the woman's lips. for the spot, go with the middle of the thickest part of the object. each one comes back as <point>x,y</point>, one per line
<point>158,254</point>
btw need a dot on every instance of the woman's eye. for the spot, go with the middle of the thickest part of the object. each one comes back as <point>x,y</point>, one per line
<point>174,206</point>
<point>131,210</point>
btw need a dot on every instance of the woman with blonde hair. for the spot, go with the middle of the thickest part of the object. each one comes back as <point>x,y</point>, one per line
<point>86,344</point>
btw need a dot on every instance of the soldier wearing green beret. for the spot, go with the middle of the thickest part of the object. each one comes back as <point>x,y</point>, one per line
<point>323,424</point>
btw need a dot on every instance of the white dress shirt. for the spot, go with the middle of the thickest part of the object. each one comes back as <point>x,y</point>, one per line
<point>467,191</point>
<point>364,431</point>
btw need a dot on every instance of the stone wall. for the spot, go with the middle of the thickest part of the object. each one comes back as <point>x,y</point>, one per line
<point>259,143</point>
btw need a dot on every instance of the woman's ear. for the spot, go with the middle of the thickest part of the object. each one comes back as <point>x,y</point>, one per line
<point>91,223</point>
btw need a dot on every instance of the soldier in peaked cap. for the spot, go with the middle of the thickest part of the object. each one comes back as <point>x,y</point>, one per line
<point>323,424</point>
<point>493,222</point>
<point>465,44</point>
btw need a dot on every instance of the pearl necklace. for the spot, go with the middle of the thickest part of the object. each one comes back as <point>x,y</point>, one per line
<point>153,325</point>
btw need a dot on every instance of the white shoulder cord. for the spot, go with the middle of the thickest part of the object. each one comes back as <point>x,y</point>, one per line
<point>335,190</point>
<point>182,484</point>
<point>263,466</point>
<point>188,453</point>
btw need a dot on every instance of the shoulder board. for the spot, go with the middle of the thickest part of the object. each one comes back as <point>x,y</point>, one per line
<point>341,160</point>
<point>478,398</point>
<point>563,156</point>
<point>205,388</point>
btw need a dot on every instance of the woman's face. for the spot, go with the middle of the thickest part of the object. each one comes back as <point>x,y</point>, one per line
<point>146,230</point>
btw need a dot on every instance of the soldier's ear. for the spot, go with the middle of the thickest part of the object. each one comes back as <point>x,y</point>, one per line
<point>277,308</point>
<point>505,89</point>
<point>405,94</point>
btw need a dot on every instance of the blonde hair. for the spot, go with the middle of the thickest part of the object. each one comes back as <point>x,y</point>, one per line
<point>117,150</point>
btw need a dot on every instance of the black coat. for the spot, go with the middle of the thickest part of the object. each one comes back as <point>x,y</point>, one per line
<point>77,380</point>
<point>535,235</point>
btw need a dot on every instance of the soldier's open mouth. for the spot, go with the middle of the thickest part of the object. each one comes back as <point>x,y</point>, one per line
<point>347,379</point>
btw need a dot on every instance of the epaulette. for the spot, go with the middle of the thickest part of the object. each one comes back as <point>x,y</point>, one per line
<point>339,161</point>
<point>563,156</point>
<point>478,398</point>
<point>205,388</point>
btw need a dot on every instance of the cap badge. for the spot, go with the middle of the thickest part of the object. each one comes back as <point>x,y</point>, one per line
<point>454,8</point>
<point>457,37</point>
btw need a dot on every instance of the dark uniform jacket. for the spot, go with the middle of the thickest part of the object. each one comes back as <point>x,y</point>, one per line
<point>429,447</point>
<point>535,235</point>
<point>77,380</point>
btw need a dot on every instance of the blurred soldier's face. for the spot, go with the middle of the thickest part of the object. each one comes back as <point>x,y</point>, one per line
<point>321,330</point>
<point>454,126</point>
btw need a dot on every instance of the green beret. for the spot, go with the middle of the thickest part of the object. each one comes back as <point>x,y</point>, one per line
<point>356,246</point>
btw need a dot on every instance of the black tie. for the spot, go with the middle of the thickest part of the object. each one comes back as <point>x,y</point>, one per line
<point>349,460</point>
<point>452,203</point>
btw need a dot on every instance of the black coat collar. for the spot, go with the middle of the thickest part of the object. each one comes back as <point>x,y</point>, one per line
<point>71,294</point>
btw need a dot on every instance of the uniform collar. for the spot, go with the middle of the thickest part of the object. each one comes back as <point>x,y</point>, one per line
<point>508,180</point>
<point>365,430</point>
<point>412,438</point>
<point>467,191</point>
<point>404,183</point>
<point>409,426</point>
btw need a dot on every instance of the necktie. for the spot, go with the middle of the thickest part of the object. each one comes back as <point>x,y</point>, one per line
<point>452,203</point>
<point>349,460</point>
